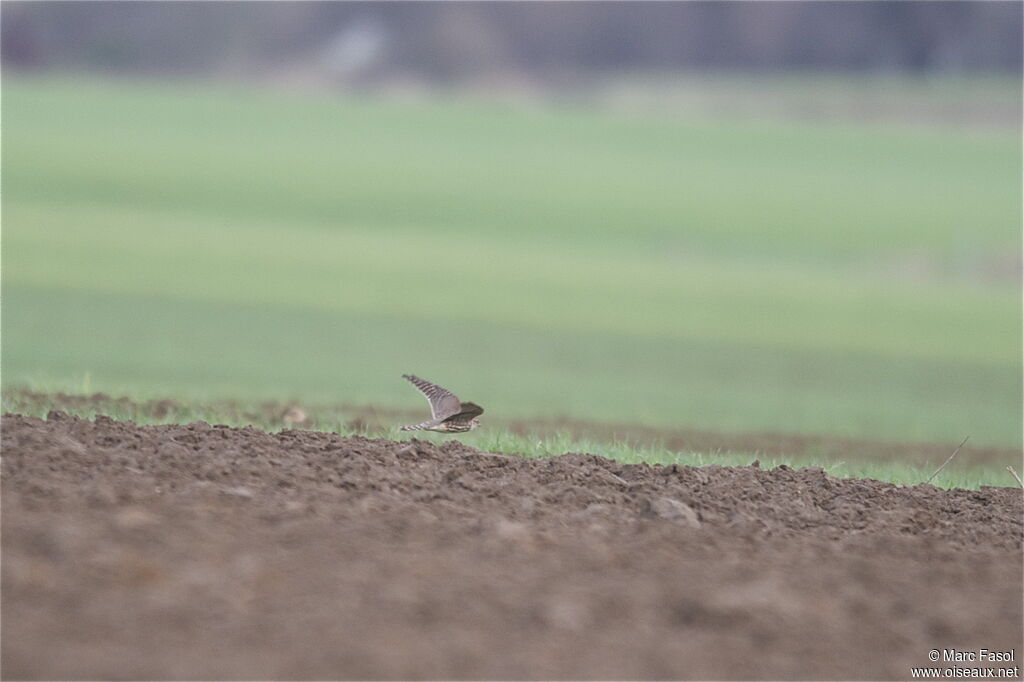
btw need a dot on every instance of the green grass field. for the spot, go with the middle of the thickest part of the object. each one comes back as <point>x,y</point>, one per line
<point>195,242</point>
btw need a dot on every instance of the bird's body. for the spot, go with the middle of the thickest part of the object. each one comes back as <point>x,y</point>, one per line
<point>448,413</point>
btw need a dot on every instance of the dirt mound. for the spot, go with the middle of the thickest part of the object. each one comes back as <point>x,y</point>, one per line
<point>369,419</point>
<point>201,551</point>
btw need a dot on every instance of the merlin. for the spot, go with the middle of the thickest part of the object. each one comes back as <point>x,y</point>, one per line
<point>449,413</point>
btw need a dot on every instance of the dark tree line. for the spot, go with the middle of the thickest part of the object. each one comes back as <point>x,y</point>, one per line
<point>450,41</point>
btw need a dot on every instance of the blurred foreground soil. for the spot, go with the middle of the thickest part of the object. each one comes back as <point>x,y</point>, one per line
<point>197,551</point>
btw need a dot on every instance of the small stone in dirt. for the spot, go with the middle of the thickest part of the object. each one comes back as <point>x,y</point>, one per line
<point>134,517</point>
<point>70,446</point>
<point>614,478</point>
<point>511,530</point>
<point>674,510</point>
<point>238,492</point>
<point>409,450</point>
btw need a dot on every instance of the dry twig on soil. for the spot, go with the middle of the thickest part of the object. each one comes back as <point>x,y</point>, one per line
<point>948,460</point>
<point>1014,474</point>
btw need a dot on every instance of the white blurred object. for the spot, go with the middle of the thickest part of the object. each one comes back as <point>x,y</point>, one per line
<point>357,47</point>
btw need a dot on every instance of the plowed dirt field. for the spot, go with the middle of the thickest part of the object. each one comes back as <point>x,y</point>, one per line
<point>197,551</point>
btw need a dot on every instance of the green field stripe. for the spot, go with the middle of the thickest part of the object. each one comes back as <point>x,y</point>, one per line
<point>159,346</point>
<point>423,274</point>
<point>825,190</point>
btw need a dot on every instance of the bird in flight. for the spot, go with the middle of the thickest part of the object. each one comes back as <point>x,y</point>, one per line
<point>449,414</point>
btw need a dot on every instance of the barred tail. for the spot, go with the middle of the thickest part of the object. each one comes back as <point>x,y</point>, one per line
<point>421,426</point>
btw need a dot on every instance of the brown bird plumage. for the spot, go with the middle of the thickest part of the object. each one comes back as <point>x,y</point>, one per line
<point>449,414</point>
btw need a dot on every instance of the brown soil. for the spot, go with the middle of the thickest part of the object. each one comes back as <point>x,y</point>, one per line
<point>210,552</point>
<point>369,420</point>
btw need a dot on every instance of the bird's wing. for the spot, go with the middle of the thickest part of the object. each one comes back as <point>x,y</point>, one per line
<point>467,413</point>
<point>470,410</point>
<point>443,404</point>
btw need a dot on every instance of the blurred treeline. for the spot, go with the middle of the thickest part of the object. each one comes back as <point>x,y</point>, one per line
<point>462,41</point>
